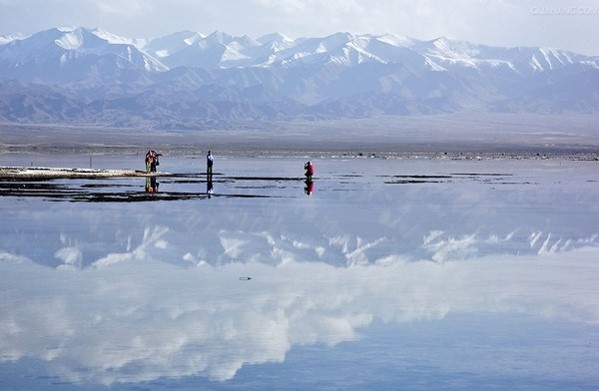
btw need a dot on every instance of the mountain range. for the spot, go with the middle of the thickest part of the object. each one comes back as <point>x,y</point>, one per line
<point>189,80</point>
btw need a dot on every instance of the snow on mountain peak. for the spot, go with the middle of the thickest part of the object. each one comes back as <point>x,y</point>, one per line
<point>4,39</point>
<point>64,45</point>
<point>340,74</point>
<point>275,42</point>
<point>66,29</point>
<point>112,38</point>
<point>71,40</point>
<point>219,37</point>
<point>396,40</point>
<point>195,37</point>
<point>165,46</point>
<point>274,38</point>
<point>220,50</point>
<point>449,48</point>
<point>74,38</point>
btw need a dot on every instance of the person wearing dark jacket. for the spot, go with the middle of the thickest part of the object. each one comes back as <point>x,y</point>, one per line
<point>209,164</point>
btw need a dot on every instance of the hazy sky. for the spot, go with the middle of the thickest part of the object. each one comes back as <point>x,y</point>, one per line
<point>572,25</point>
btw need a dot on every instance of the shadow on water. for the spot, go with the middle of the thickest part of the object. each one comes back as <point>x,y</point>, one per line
<point>107,190</point>
<point>309,187</point>
<point>114,190</point>
<point>200,186</point>
<point>495,178</point>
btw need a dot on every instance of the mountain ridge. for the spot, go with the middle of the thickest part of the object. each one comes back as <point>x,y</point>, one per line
<point>103,78</point>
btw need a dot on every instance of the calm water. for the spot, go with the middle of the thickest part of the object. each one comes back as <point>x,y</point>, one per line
<point>390,274</point>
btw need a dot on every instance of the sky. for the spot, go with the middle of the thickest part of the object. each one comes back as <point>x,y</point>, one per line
<point>574,26</point>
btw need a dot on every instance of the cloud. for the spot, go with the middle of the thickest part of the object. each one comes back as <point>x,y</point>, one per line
<point>5,256</point>
<point>70,256</point>
<point>145,319</point>
<point>128,9</point>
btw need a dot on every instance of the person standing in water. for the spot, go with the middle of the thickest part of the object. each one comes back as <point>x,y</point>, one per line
<point>309,167</point>
<point>209,164</point>
<point>152,160</point>
<point>149,161</point>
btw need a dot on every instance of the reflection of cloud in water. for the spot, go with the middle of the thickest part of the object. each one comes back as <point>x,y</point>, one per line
<point>137,318</point>
<point>70,257</point>
<point>115,293</point>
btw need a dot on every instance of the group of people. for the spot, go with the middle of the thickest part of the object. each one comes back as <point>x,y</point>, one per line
<point>152,162</point>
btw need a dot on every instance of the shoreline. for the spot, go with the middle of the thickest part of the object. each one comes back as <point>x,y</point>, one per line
<point>458,134</point>
<point>37,173</point>
<point>564,154</point>
<point>289,148</point>
<point>366,152</point>
<point>46,173</point>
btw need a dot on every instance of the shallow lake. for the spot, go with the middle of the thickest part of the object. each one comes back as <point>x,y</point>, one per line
<point>380,274</point>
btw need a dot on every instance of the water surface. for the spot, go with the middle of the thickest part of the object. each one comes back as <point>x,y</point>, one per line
<point>414,274</point>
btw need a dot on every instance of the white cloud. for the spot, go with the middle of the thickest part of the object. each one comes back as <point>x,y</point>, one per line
<point>117,8</point>
<point>70,256</point>
<point>145,319</point>
<point>8,257</point>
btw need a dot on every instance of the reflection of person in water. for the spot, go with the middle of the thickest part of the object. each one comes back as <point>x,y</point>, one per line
<point>151,185</point>
<point>209,164</point>
<point>309,187</point>
<point>309,167</point>
<point>209,187</point>
<point>152,161</point>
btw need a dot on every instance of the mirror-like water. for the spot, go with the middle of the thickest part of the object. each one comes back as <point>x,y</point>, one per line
<point>410,274</point>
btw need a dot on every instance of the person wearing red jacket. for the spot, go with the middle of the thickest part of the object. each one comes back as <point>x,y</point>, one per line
<point>309,167</point>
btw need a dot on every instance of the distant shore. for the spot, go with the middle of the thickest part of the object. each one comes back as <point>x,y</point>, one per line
<point>471,135</point>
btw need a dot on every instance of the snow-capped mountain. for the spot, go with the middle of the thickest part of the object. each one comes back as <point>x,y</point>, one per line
<point>72,54</point>
<point>189,79</point>
<point>4,39</point>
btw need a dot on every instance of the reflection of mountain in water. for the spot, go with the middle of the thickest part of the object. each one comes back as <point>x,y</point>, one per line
<point>350,221</point>
<point>110,293</point>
